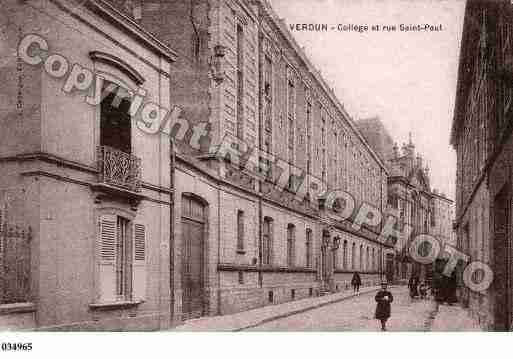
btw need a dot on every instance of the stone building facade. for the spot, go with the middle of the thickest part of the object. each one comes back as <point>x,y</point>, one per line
<point>410,196</point>
<point>241,71</point>
<point>132,230</point>
<point>94,190</point>
<point>481,136</point>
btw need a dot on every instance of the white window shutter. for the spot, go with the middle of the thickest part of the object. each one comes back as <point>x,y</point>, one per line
<point>107,237</point>
<point>139,262</point>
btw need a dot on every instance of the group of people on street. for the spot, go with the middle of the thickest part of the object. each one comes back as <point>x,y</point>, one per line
<point>417,288</point>
<point>443,290</point>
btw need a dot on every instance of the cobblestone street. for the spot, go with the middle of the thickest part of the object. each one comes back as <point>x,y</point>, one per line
<point>340,312</point>
<point>357,314</point>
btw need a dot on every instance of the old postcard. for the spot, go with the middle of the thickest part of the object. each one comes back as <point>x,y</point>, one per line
<point>255,165</point>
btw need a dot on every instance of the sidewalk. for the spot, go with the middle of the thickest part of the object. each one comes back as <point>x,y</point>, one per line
<point>453,319</point>
<point>258,316</point>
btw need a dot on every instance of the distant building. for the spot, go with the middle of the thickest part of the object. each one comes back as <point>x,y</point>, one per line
<point>378,137</point>
<point>410,196</point>
<point>481,136</point>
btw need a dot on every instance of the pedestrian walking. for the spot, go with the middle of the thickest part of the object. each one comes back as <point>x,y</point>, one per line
<point>356,282</point>
<point>423,290</point>
<point>383,299</point>
<point>413,284</point>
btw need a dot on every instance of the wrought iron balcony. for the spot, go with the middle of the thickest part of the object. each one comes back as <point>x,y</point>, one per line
<point>119,169</point>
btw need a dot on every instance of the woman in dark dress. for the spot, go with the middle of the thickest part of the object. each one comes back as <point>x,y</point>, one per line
<point>356,282</point>
<point>412,285</point>
<point>383,298</point>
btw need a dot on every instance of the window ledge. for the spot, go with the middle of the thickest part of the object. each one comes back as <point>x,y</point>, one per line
<point>241,251</point>
<point>26,307</point>
<point>115,305</point>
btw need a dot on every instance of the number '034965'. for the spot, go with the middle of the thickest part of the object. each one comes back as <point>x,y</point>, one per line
<point>16,347</point>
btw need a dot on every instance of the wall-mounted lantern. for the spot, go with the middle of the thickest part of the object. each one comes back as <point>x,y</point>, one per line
<point>216,64</point>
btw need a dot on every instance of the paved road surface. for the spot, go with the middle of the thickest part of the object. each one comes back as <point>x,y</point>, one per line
<point>357,314</point>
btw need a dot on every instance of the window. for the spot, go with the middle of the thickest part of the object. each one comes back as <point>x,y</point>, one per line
<point>308,135</point>
<point>268,77</point>
<point>267,241</point>
<point>122,259</point>
<point>291,136</point>
<point>291,229</point>
<point>196,47</point>
<point>353,254</point>
<point>367,259</point>
<point>115,120</point>
<point>344,254</point>
<point>290,102</point>
<point>393,200</point>
<point>268,94</point>
<point>335,258</point>
<point>308,248</point>
<point>240,230</point>
<point>361,257</point>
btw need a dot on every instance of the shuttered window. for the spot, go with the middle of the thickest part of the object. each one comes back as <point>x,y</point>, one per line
<point>122,259</point>
<point>139,268</point>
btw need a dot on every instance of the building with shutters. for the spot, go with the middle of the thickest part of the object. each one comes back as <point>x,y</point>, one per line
<point>94,191</point>
<point>239,242</point>
<point>126,233</point>
<point>481,136</point>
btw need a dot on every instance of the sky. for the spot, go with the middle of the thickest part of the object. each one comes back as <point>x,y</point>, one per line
<point>407,79</point>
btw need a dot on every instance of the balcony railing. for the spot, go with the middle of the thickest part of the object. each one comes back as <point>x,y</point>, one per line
<point>120,169</point>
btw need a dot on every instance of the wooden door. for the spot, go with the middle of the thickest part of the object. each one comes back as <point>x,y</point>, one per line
<point>193,257</point>
<point>500,251</point>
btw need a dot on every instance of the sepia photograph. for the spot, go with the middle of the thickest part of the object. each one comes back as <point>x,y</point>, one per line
<point>263,166</point>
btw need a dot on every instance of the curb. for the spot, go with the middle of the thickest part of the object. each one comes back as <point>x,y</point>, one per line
<point>302,310</point>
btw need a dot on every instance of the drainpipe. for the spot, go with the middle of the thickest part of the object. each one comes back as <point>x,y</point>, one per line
<point>218,249</point>
<point>258,182</point>
<point>381,225</point>
<point>172,227</point>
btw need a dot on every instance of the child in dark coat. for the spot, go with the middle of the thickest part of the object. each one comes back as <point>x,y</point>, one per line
<point>383,298</point>
<point>356,282</point>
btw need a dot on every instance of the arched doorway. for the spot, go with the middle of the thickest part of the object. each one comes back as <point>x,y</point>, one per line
<point>193,256</point>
